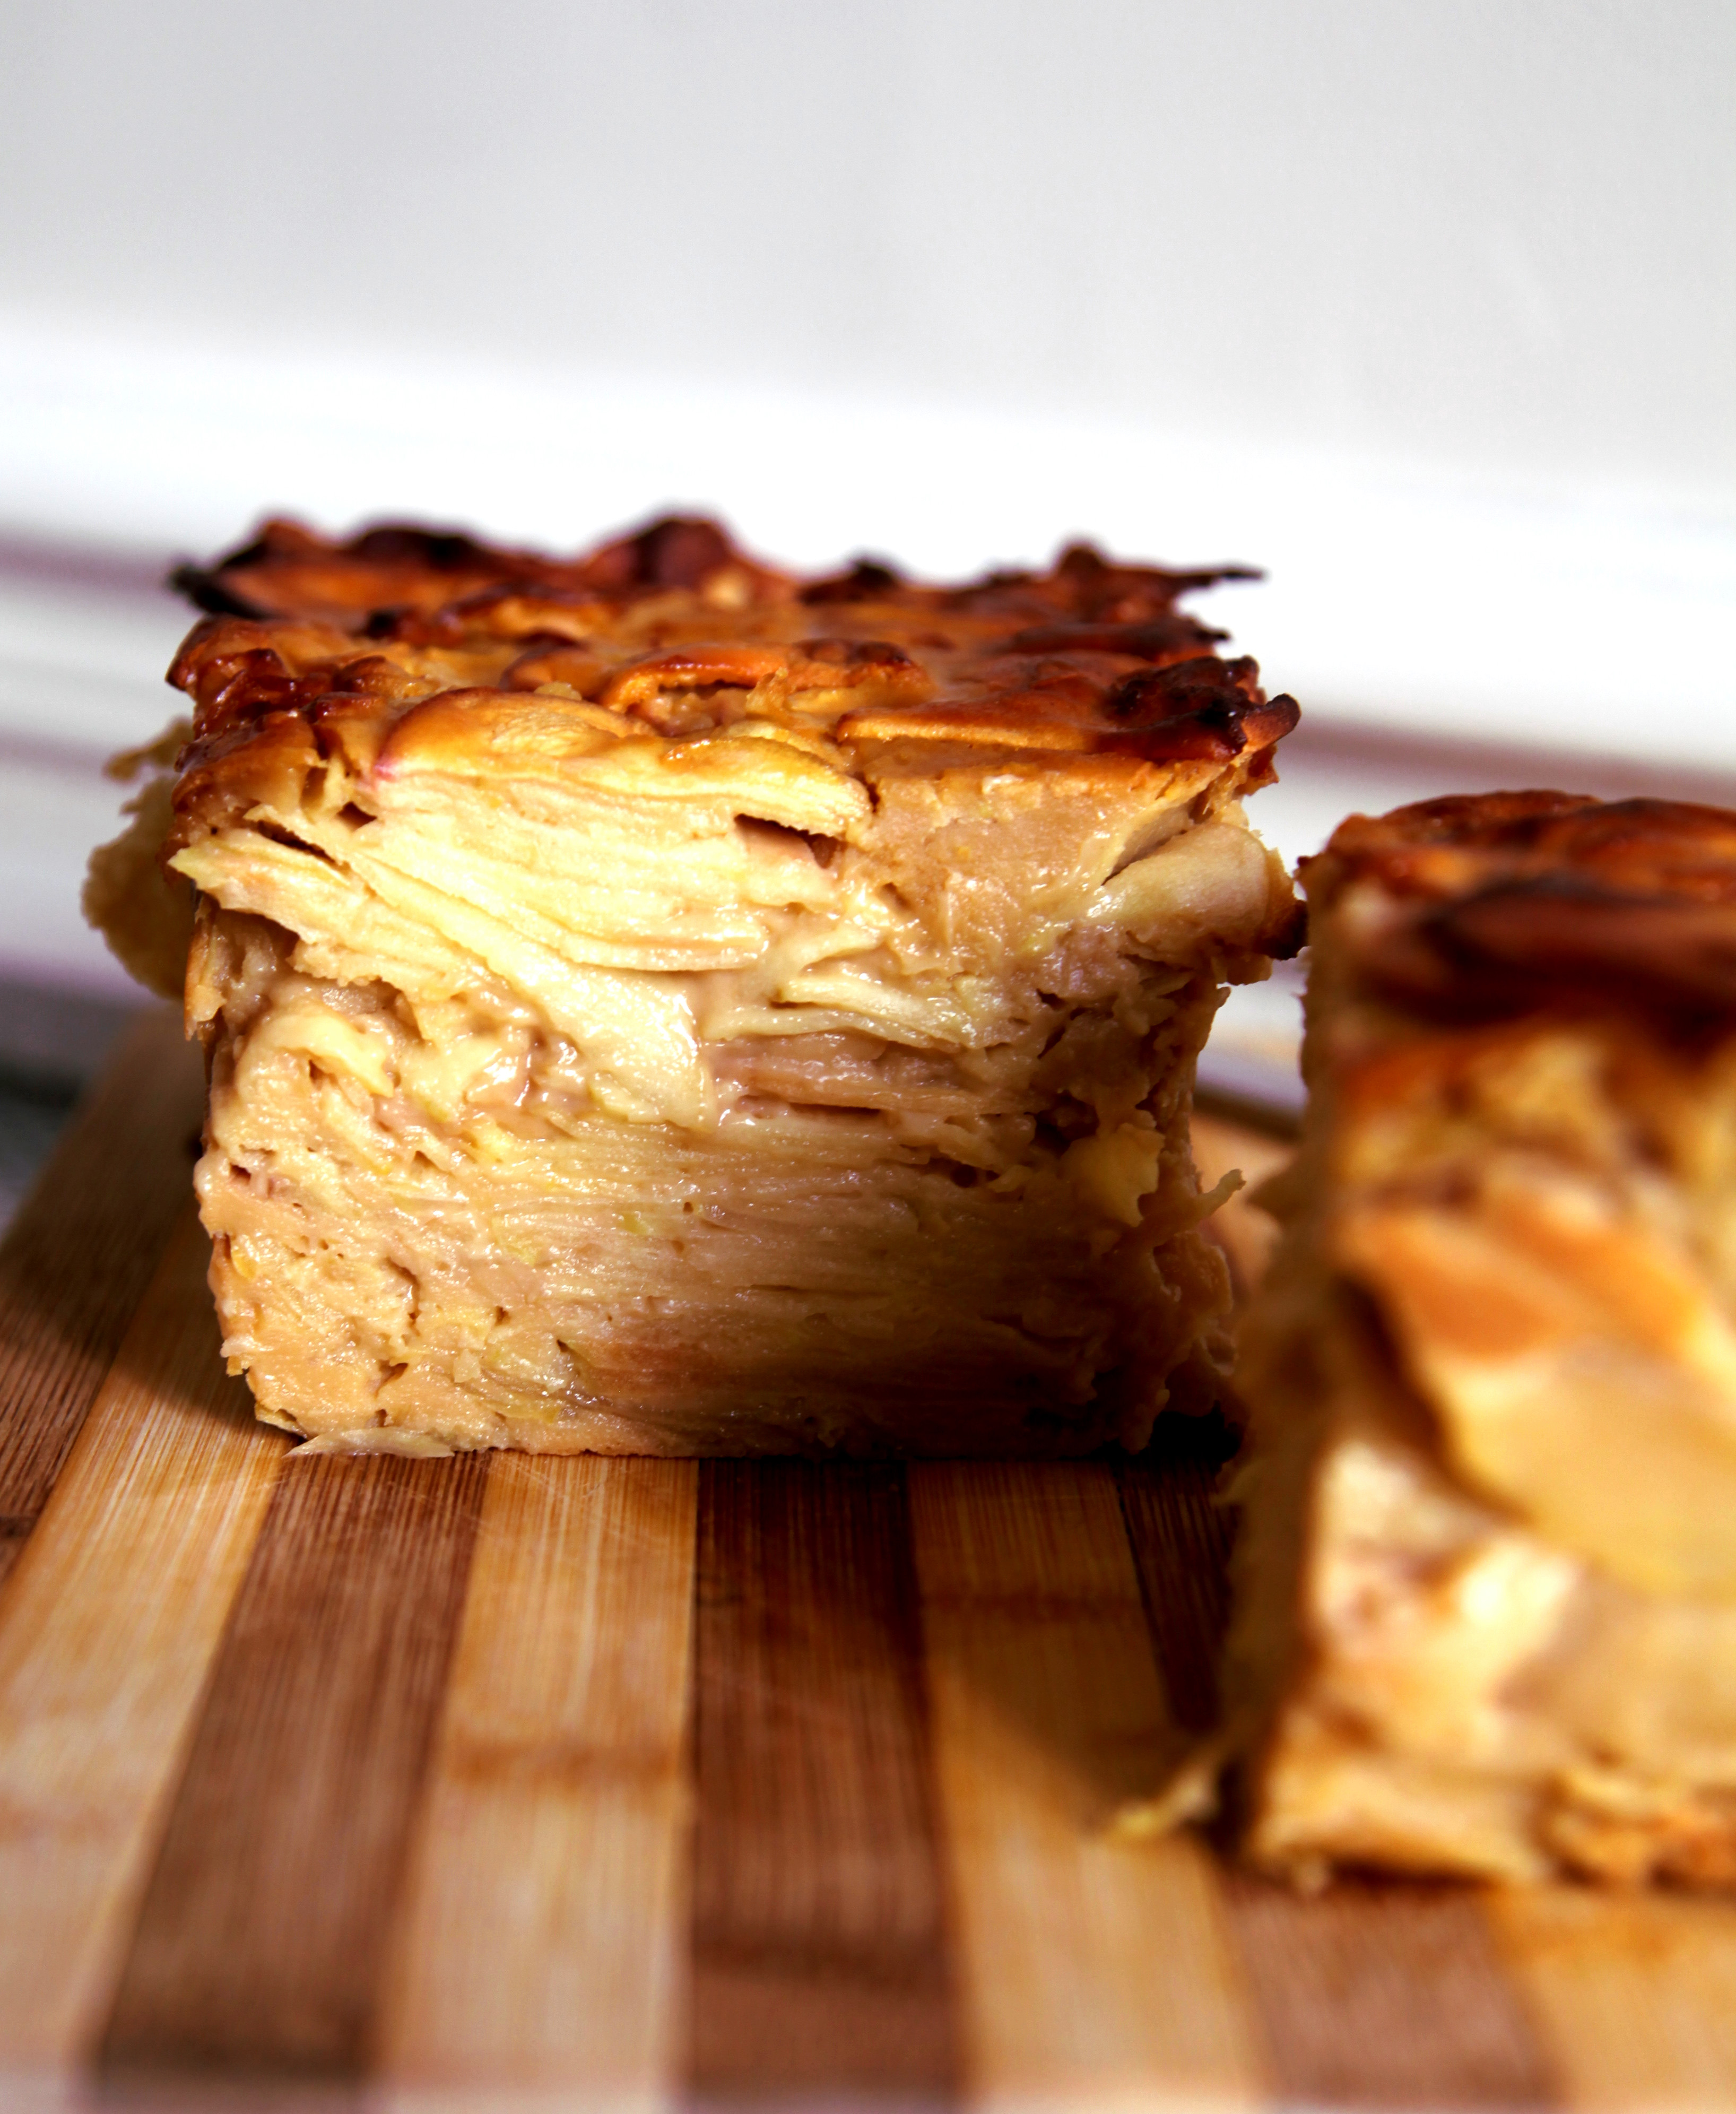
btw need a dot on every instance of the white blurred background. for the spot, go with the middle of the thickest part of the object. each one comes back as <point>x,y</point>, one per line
<point>1429,306</point>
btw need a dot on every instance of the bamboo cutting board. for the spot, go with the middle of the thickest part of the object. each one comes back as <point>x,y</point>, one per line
<point>502,1782</point>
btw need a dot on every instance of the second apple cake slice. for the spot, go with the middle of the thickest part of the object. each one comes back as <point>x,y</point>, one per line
<point>1487,1596</point>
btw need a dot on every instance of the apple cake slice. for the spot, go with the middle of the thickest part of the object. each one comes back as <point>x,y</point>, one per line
<point>1487,1589</point>
<point>657,1004</point>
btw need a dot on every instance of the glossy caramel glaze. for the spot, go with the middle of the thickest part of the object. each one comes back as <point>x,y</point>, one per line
<point>1492,905</point>
<point>316,649</point>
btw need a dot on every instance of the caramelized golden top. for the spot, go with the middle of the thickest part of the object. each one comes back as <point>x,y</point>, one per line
<point>314,646</point>
<point>1503,903</point>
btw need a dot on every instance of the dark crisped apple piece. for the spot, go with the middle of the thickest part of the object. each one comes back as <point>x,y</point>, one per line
<point>1485,1617</point>
<point>656,1004</point>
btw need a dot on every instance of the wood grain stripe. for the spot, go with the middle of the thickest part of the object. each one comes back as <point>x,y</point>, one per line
<point>819,1956</point>
<point>1371,1995</point>
<point>1094,1967</point>
<point>1386,1994</point>
<point>1636,1993</point>
<point>1180,1534</point>
<point>543,1944</point>
<point>261,1942</point>
<point>108,1632</point>
<point>77,1257</point>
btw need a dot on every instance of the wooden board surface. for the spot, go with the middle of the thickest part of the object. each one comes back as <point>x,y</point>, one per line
<point>502,1783</point>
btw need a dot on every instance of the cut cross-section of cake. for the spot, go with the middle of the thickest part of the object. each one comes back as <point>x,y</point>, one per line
<point>655,1003</point>
<point>1486,1621</point>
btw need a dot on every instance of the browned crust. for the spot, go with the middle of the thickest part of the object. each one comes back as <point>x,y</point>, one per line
<point>1502,903</point>
<point>315,648</point>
